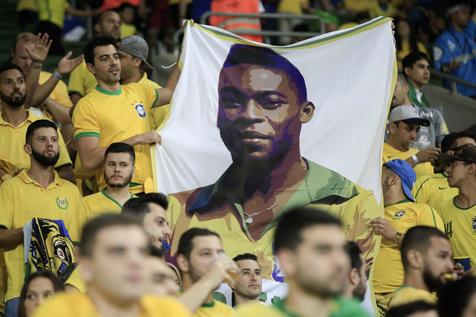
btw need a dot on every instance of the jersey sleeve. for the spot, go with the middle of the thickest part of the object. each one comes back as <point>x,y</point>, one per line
<point>61,94</point>
<point>7,201</point>
<point>441,51</point>
<point>429,217</point>
<point>75,84</point>
<point>422,190</point>
<point>64,158</point>
<point>85,120</point>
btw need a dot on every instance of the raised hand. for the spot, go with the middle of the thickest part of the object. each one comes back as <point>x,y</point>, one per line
<point>40,51</point>
<point>67,64</point>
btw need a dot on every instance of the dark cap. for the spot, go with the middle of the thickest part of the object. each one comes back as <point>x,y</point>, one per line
<point>137,47</point>
<point>465,153</point>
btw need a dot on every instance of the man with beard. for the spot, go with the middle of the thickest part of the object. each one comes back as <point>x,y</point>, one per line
<point>401,213</point>
<point>150,208</point>
<point>200,255</point>
<point>14,121</point>
<point>118,170</point>
<point>248,285</point>
<point>82,81</point>
<point>428,263</point>
<point>310,246</point>
<point>113,256</point>
<point>36,192</point>
<point>117,113</point>
<point>356,285</point>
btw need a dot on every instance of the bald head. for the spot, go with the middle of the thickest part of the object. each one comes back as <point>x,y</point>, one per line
<point>109,24</point>
<point>400,95</point>
<point>20,57</point>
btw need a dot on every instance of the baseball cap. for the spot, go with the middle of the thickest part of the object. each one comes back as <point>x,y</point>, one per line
<point>136,46</point>
<point>466,153</point>
<point>409,114</point>
<point>406,174</point>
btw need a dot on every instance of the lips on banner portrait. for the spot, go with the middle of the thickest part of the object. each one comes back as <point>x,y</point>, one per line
<point>256,129</point>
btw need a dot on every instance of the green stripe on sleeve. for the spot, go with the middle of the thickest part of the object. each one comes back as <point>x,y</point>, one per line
<point>85,134</point>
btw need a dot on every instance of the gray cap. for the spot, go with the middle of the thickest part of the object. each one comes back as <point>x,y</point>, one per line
<point>407,113</point>
<point>136,46</point>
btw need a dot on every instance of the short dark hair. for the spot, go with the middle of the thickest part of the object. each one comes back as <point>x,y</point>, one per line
<point>449,141</point>
<point>96,42</point>
<point>8,66</point>
<point>411,308</point>
<point>412,58</point>
<point>185,245</point>
<point>38,124</point>
<point>454,297</point>
<point>92,228</point>
<point>354,252</point>
<point>57,286</point>
<point>258,55</point>
<point>120,147</point>
<point>139,206</point>
<point>245,256</point>
<point>293,222</point>
<point>418,238</point>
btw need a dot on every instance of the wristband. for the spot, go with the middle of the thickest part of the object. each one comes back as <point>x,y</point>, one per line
<point>415,159</point>
<point>57,75</point>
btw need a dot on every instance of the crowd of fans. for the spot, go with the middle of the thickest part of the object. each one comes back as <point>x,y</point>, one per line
<point>82,232</point>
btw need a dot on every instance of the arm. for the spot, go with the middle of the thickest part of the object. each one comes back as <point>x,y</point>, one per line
<point>59,112</point>
<point>75,97</point>
<point>11,238</point>
<point>37,54</point>
<point>165,93</point>
<point>65,66</point>
<point>66,172</point>
<point>92,155</point>
<point>426,155</point>
<point>196,295</point>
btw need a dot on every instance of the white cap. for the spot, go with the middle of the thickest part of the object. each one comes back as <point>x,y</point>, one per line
<point>407,113</point>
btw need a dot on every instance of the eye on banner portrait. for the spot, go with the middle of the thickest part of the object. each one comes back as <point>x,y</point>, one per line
<point>256,130</point>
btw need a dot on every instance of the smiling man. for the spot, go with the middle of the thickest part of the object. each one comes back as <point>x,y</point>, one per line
<point>262,105</point>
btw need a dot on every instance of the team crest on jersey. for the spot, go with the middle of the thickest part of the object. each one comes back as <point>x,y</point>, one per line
<point>399,214</point>
<point>140,110</point>
<point>62,202</point>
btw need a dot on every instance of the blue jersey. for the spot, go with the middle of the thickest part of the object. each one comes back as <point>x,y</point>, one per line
<point>452,45</point>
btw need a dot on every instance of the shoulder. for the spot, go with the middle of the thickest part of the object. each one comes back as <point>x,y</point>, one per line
<point>66,305</point>
<point>224,308</point>
<point>69,188</point>
<point>163,306</point>
<point>257,309</point>
<point>348,308</point>
<point>91,198</point>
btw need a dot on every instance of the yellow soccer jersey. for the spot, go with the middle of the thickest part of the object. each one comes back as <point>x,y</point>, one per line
<point>214,309</point>
<point>21,199</point>
<point>27,5</point>
<point>408,294</point>
<point>76,281</point>
<point>341,308</point>
<point>388,270</point>
<point>159,114</point>
<point>97,204</point>
<point>460,227</point>
<point>60,93</point>
<point>52,11</point>
<point>81,80</point>
<point>427,189</point>
<point>127,30</point>
<point>80,305</point>
<point>391,153</point>
<point>114,116</point>
<point>354,206</point>
<point>12,140</point>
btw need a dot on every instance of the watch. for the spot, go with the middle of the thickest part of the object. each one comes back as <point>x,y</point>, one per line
<point>397,238</point>
<point>415,159</point>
